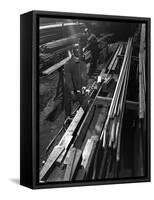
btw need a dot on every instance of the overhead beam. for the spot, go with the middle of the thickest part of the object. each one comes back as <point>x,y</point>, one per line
<point>61,42</point>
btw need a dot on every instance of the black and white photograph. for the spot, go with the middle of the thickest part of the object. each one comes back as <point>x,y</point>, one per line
<point>93,108</point>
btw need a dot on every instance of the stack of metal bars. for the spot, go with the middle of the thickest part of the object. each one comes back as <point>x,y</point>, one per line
<point>111,133</point>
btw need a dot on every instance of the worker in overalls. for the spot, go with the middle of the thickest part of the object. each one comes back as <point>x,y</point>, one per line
<point>92,45</point>
<point>75,79</point>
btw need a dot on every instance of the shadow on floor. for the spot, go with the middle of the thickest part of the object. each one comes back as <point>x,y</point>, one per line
<point>15,180</point>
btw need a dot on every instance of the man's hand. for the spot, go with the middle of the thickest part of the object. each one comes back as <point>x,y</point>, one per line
<point>72,92</point>
<point>74,97</point>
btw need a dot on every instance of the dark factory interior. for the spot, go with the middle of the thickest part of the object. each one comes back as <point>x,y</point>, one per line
<point>92,100</point>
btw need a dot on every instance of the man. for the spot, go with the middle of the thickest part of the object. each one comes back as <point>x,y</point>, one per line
<point>75,78</point>
<point>94,49</point>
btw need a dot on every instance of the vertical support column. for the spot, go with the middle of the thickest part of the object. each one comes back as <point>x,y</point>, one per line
<point>142,78</point>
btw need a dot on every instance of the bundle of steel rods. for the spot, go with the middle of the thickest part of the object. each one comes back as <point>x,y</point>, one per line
<point>111,133</point>
<point>114,62</point>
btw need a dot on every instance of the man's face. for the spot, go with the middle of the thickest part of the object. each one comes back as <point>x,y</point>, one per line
<point>87,34</point>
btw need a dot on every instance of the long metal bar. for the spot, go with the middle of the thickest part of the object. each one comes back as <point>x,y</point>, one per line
<point>122,86</point>
<point>122,106</point>
<point>122,78</point>
<point>132,105</point>
<point>115,56</point>
<point>116,94</point>
<point>122,102</point>
<point>50,26</point>
<point>119,84</point>
<point>62,42</point>
<point>115,124</point>
<point>109,121</point>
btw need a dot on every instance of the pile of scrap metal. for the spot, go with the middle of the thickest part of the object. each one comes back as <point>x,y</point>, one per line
<point>81,152</point>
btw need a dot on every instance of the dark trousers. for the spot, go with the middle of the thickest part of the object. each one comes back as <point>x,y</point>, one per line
<point>69,99</point>
<point>94,60</point>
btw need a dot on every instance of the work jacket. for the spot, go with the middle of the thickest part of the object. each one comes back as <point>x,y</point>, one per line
<point>93,45</point>
<point>75,74</point>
